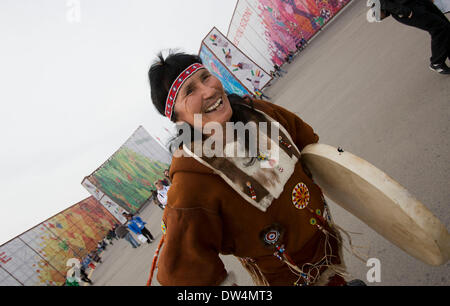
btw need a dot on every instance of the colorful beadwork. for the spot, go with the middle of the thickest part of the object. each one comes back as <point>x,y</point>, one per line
<point>279,250</point>
<point>262,157</point>
<point>326,209</point>
<point>252,191</point>
<point>284,143</point>
<point>173,92</point>
<point>277,255</point>
<point>318,212</point>
<point>300,196</point>
<point>271,237</point>
<point>313,221</point>
<point>272,162</point>
<point>163,227</point>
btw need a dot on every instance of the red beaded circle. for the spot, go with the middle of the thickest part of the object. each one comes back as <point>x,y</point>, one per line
<point>300,196</point>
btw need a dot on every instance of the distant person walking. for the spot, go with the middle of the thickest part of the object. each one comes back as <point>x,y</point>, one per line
<point>87,263</point>
<point>137,226</point>
<point>110,236</point>
<point>279,70</point>
<point>84,276</point>
<point>260,94</point>
<point>123,232</point>
<point>167,178</point>
<point>155,199</point>
<point>162,192</point>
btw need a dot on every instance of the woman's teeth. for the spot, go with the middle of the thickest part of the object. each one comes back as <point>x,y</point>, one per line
<point>214,106</point>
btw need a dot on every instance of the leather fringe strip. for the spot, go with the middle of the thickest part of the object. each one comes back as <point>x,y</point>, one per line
<point>252,268</point>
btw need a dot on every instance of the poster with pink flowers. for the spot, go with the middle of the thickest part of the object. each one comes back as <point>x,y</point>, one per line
<point>267,30</point>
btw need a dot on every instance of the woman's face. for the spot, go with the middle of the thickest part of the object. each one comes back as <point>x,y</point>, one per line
<point>202,94</point>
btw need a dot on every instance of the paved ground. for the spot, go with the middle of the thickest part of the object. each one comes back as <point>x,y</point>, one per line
<point>367,88</point>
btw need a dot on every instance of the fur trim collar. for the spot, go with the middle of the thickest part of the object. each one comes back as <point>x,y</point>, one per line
<point>262,181</point>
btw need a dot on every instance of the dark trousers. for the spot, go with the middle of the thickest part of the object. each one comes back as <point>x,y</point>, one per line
<point>427,17</point>
<point>147,234</point>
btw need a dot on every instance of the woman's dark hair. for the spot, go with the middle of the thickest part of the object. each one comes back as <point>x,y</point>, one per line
<point>163,72</point>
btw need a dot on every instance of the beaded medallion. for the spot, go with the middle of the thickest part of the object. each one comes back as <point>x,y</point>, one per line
<point>272,236</point>
<point>300,196</point>
<point>163,227</point>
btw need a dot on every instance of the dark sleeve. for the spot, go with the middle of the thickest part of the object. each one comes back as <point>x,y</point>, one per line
<point>190,254</point>
<point>397,7</point>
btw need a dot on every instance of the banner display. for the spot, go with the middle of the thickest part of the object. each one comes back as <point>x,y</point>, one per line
<point>52,249</point>
<point>96,193</point>
<point>39,256</point>
<point>247,72</point>
<point>217,68</point>
<point>114,209</point>
<point>126,178</point>
<point>71,236</point>
<point>27,266</point>
<point>6,279</point>
<point>267,30</point>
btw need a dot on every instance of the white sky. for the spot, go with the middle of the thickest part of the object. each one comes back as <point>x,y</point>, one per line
<point>72,92</point>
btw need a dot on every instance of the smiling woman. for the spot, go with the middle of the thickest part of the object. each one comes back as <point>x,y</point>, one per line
<point>192,93</point>
<point>203,94</point>
<point>269,214</point>
<point>197,92</point>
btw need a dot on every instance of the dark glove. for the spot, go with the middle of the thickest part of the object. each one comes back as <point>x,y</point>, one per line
<point>401,10</point>
<point>404,12</point>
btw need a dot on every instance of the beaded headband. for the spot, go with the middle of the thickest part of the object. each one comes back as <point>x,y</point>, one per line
<point>173,92</point>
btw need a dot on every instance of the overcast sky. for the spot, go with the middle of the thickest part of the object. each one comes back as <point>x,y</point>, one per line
<point>73,88</point>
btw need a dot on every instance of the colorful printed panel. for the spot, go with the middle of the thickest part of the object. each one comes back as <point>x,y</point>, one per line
<point>27,266</point>
<point>90,219</point>
<point>114,209</point>
<point>217,68</point>
<point>127,177</point>
<point>249,74</point>
<point>96,216</point>
<point>70,235</point>
<point>6,279</point>
<point>39,256</point>
<point>267,30</point>
<point>49,246</point>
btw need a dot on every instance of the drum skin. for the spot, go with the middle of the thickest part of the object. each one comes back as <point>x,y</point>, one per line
<point>379,201</point>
